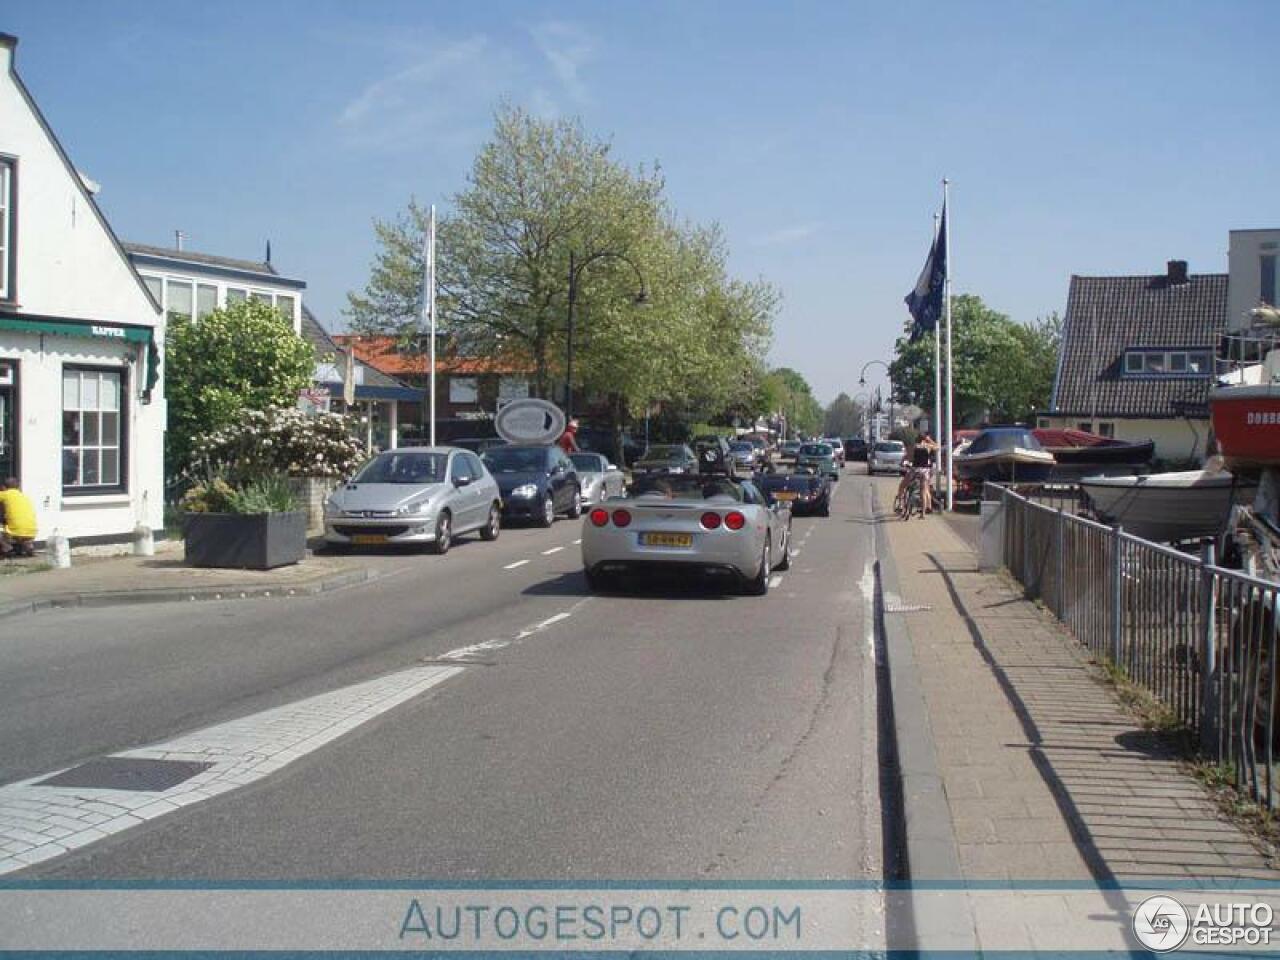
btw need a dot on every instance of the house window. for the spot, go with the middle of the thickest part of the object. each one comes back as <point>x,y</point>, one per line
<point>8,229</point>
<point>1106,429</point>
<point>464,390</point>
<point>92,430</point>
<point>1177,363</point>
<point>155,285</point>
<point>1168,363</point>
<point>1155,363</point>
<point>286,306</point>
<point>1268,292</point>
<point>1133,362</point>
<point>206,299</point>
<point>1085,426</point>
<point>513,388</point>
<point>179,300</point>
<point>236,295</point>
<point>8,418</point>
<point>1199,363</point>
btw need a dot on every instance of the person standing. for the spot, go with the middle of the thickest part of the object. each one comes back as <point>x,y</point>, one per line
<point>569,439</point>
<point>17,521</point>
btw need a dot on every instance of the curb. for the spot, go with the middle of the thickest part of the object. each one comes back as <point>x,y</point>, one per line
<point>930,851</point>
<point>124,598</point>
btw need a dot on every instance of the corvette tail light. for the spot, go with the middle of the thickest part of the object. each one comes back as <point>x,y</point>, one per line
<point>622,518</point>
<point>734,520</point>
<point>599,517</point>
<point>711,520</point>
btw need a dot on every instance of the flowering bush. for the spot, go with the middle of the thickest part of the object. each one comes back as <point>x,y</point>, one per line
<point>278,441</point>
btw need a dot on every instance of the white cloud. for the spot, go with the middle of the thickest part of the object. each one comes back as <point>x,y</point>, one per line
<point>568,48</point>
<point>785,235</point>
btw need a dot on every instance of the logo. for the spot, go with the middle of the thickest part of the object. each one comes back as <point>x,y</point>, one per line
<point>1161,924</point>
<point>529,421</point>
<point>101,331</point>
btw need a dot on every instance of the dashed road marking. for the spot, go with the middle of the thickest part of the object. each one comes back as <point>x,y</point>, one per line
<point>578,541</point>
<point>775,580</point>
<point>518,563</point>
<point>547,553</point>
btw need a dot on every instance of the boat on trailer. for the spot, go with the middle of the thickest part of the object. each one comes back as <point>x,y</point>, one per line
<point>1169,507</point>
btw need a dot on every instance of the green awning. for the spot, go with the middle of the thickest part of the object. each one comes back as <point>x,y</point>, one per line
<point>96,331</point>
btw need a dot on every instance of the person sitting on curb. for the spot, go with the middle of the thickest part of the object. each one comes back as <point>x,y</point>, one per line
<point>17,521</point>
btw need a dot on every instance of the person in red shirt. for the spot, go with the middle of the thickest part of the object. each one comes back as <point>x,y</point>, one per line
<point>569,439</point>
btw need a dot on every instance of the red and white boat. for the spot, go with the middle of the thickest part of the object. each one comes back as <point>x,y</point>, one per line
<point>1245,404</point>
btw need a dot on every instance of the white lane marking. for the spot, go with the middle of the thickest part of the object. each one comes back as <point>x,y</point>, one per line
<point>775,580</point>
<point>578,541</point>
<point>518,563</point>
<point>547,553</point>
<point>42,822</point>
<point>475,649</point>
<point>550,620</point>
<point>796,552</point>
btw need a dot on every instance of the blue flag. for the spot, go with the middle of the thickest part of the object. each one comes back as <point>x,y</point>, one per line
<point>925,301</point>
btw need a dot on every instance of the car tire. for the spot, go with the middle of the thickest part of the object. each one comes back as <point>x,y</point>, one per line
<point>596,582</point>
<point>825,509</point>
<point>785,562</point>
<point>548,515</point>
<point>493,527</point>
<point>444,534</point>
<point>337,547</point>
<point>758,585</point>
<point>575,504</point>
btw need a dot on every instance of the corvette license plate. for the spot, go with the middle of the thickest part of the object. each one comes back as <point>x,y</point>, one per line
<point>369,538</point>
<point>785,495</point>
<point>666,539</point>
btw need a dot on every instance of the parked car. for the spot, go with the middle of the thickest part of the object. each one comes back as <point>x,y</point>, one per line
<point>855,450</point>
<point>414,495</point>
<point>788,450</point>
<point>666,458</point>
<point>600,479</point>
<point>537,480</point>
<point>714,454</point>
<point>685,523</point>
<point>820,457</point>
<point>887,456</point>
<point>746,456</point>
<point>837,448</point>
<point>805,492</point>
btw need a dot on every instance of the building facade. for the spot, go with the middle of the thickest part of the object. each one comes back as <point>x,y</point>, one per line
<point>82,410</point>
<point>1253,264</point>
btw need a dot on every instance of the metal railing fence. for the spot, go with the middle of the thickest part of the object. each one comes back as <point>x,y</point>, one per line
<point>1200,638</point>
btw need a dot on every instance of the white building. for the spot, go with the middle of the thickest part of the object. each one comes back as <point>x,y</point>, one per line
<point>82,412</point>
<point>1253,263</point>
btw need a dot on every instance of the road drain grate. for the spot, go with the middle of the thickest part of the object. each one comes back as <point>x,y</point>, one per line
<point>125,773</point>
<point>897,606</point>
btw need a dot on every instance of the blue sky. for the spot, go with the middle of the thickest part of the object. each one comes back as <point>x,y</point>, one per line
<point>1088,137</point>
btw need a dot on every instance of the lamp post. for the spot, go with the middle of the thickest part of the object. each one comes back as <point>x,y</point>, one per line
<point>575,270</point>
<point>862,382</point>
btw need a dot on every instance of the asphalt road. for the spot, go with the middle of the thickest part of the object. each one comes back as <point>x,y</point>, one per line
<point>669,733</point>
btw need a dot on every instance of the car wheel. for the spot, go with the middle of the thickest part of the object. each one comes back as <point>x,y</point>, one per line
<point>596,582</point>
<point>337,548</point>
<point>444,534</point>
<point>548,512</point>
<point>825,509</point>
<point>785,562</point>
<point>575,504</point>
<point>491,529</point>
<point>758,585</point>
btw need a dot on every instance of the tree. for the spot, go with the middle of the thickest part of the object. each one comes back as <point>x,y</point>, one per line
<point>787,392</point>
<point>245,356</point>
<point>843,418</point>
<point>1003,370</point>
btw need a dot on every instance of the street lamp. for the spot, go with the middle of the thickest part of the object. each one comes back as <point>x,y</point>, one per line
<point>575,269</point>
<point>862,381</point>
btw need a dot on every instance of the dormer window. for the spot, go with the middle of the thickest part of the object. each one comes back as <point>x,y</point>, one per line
<point>1145,362</point>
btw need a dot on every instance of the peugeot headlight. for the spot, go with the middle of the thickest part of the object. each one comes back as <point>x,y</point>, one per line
<point>419,506</point>
<point>331,509</point>
<point>525,491</point>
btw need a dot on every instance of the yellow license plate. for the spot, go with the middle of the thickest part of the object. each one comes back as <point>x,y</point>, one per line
<point>784,495</point>
<point>368,538</point>
<point>666,539</point>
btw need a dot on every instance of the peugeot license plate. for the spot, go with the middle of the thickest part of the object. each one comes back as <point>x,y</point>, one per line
<point>369,538</point>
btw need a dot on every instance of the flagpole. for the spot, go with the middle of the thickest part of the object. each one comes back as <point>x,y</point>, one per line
<point>951,412</point>
<point>429,305</point>
<point>937,369</point>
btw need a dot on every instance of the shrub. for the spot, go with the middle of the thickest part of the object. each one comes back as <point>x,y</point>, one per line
<point>282,441</point>
<point>269,494</point>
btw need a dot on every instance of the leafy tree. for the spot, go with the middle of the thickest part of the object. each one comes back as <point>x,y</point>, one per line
<point>787,392</point>
<point>245,356</point>
<point>843,417</point>
<point>1003,370</point>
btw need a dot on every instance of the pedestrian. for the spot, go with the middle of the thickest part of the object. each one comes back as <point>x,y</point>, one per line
<point>17,521</point>
<point>922,454</point>
<point>569,439</point>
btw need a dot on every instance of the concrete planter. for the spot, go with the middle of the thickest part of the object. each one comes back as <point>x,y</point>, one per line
<point>258,541</point>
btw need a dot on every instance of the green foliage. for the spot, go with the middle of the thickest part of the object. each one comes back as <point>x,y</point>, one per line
<point>279,441</point>
<point>538,190</point>
<point>245,356</point>
<point>1003,370</point>
<point>265,494</point>
<point>785,391</point>
<point>843,418</point>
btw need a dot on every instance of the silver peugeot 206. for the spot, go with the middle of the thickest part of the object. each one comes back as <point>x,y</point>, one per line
<point>706,523</point>
<point>414,495</point>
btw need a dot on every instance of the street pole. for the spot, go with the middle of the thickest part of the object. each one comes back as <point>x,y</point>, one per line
<point>568,379</point>
<point>937,360</point>
<point>951,413</point>
<point>429,308</point>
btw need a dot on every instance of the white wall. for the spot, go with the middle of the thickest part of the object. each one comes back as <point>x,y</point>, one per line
<point>1244,285</point>
<point>1175,439</point>
<point>69,268</point>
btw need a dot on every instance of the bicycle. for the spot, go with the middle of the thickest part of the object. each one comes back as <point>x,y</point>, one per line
<point>911,500</point>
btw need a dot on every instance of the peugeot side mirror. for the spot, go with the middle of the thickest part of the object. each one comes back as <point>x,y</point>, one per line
<point>462,481</point>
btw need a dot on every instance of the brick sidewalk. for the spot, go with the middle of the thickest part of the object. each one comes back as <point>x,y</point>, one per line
<point>1046,776</point>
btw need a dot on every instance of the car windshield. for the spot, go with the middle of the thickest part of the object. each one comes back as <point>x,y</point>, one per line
<point>663,453</point>
<point>889,446</point>
<point>741,447</point>
<point>686,488</point>
<point>815,450</point>
<point>402,466</point>
<point>587,462</point>
<point>515,459</point>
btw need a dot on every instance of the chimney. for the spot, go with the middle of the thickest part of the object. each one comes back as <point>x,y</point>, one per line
<point>1177,272</point>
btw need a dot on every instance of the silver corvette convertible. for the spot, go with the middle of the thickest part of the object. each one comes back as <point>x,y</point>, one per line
<point>704,523</point>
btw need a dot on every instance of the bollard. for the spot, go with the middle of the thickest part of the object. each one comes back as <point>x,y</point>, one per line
<point>144,544</point>
<point>59,549</point>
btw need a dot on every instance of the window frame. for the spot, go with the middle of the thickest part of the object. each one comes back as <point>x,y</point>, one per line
<point>9,287</point>
<point>455,381</point>
<point>16,388</point>
<point>122,483</point>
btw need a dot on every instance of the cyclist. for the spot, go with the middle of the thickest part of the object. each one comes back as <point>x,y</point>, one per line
<point>920,460</point>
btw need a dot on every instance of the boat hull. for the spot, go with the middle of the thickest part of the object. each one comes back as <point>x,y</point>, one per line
<point>1168,507</point>
<point>1246,423</point>
<point>1005,466</point>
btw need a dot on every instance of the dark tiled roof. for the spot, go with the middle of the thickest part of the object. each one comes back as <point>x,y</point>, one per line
<point>1106,315</point>
<point>325,346</point>
<point>251,266</point>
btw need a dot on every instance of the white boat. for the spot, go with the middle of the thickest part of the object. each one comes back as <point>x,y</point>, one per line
<point>1169,506</point>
